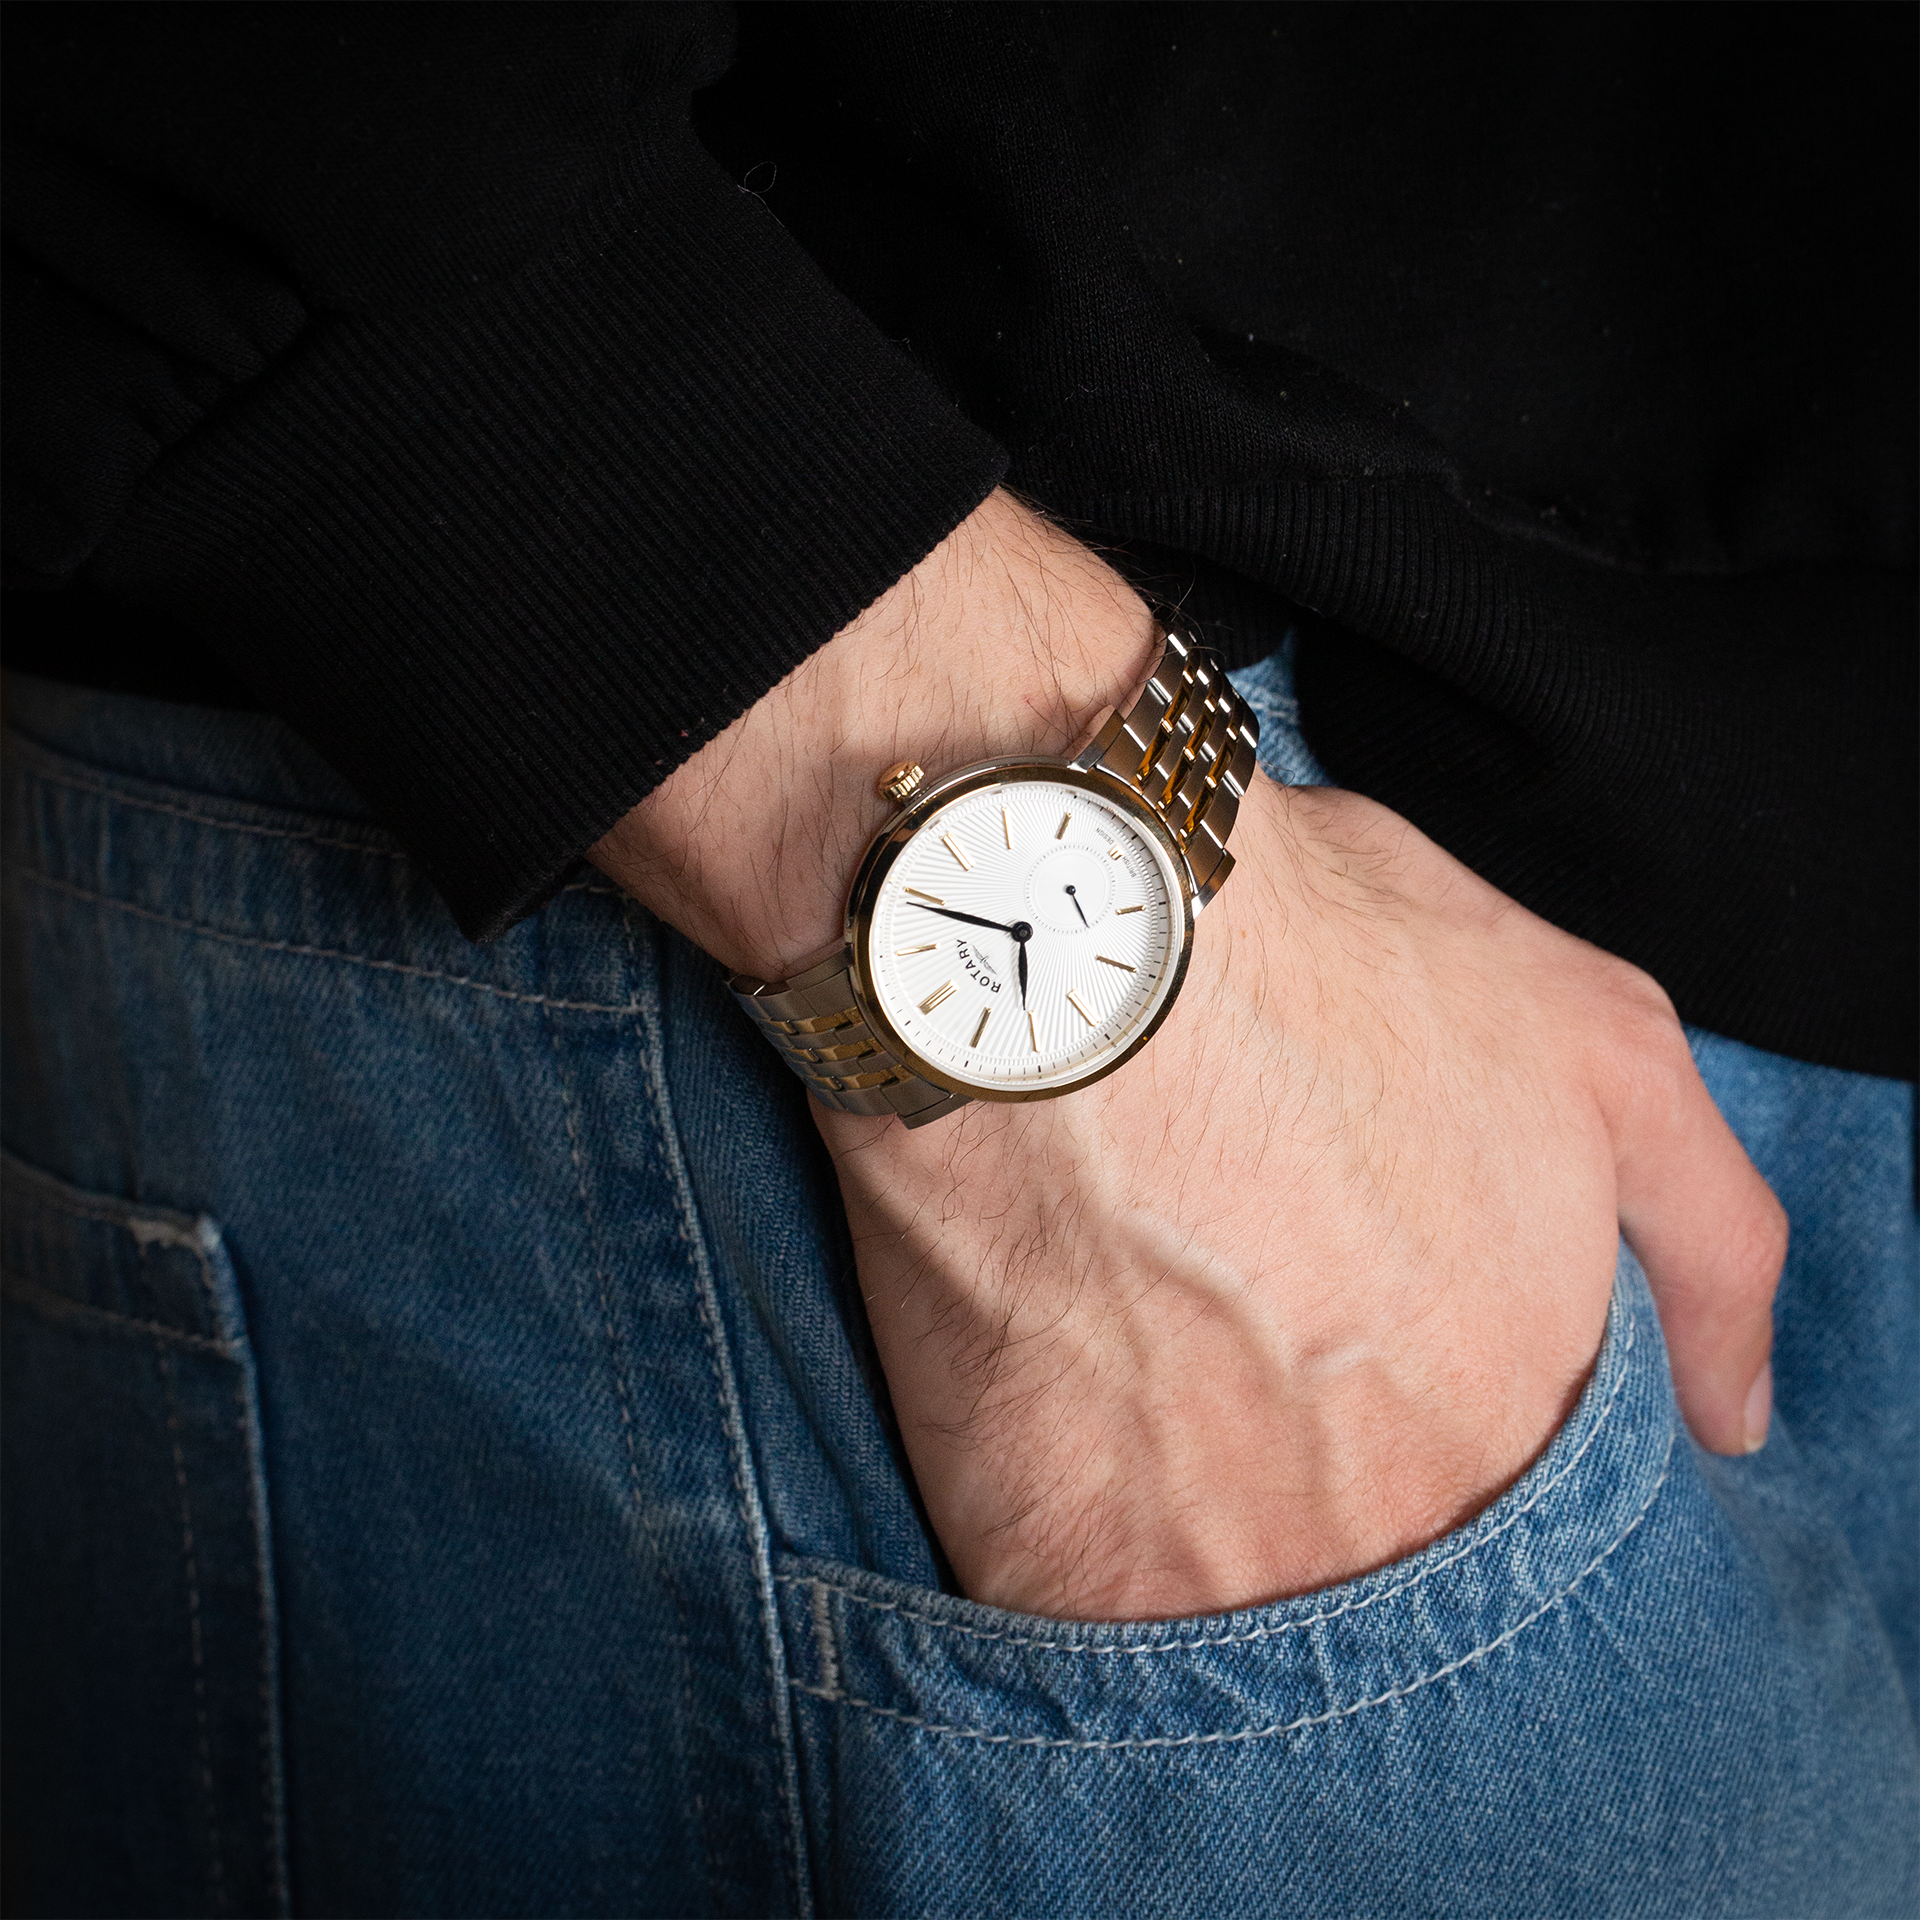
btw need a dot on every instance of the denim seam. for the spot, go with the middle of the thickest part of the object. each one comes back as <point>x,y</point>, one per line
<point>318,953</point>
<point>617,1354</point>
<point>1465,1550</point>
<point>1241,1735</point>
<point>733,1422</point>
<point>56,1306</point>
<point>144,1223</point>
<point>195,1637</point>
<point>825,1641</point>
<point>208,819</point>
<point>273,1803</point>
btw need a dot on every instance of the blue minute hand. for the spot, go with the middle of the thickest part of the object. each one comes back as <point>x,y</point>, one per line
<point>972,920</point>
<point>1020,931</point>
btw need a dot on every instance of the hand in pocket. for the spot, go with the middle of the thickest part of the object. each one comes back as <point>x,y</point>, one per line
<point>1317,1275</point>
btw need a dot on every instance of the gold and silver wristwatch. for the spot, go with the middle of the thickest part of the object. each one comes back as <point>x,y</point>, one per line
<point>1021,927</point>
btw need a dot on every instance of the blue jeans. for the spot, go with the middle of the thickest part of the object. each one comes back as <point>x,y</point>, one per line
<point>447,1470</point>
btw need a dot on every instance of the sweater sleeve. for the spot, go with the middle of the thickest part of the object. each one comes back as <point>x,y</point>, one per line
<point>527,452</point>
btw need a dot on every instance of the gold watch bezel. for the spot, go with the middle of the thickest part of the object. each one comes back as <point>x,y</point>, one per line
<point>888,844</point>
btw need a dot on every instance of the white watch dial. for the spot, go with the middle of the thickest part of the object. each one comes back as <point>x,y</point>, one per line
<point>1033,868</point>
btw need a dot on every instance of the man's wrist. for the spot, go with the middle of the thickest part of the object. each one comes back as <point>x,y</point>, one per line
<point>1010,637</point>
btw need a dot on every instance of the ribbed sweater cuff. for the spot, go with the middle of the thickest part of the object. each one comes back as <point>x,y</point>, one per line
<point>509,562</point>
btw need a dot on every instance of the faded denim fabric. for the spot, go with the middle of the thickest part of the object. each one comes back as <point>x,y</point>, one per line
<point>447,1472</point>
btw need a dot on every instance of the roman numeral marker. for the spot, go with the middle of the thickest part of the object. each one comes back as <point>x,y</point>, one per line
<point>942,992</point>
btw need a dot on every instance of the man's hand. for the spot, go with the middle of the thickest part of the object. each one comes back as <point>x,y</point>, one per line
<point>1318,1272</point>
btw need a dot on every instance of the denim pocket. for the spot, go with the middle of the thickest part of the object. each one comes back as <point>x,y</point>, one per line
<point>1139,1759</point>
<point>142,1736</point>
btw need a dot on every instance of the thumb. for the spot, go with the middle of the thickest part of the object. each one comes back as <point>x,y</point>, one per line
<point>1709,1233</point>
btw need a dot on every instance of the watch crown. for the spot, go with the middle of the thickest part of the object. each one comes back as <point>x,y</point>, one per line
<point>900,780</point>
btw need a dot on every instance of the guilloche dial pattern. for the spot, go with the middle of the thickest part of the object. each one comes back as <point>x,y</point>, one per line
<point>1049,871</point>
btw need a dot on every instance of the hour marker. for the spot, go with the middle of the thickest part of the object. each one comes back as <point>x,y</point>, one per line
<point>1114,853</point>
<point>1033,1031</point>
<point>1060,833</point>
<point>986,1014</point>
<point>1121,964</point>
<point>1136,908</point>
<point>959,852</point>
<point>942,992</point>
<point>900,953</point>
<point>1006,827</point>
<point>1081,1011</point>
<point>934,897</point>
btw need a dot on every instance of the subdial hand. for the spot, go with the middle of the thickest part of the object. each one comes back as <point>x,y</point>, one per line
<point>1078,908</point>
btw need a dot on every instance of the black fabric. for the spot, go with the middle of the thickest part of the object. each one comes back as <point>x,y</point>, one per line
<point>1554,367</point>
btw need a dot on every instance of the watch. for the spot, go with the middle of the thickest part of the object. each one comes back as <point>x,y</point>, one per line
<point>1021,927</point>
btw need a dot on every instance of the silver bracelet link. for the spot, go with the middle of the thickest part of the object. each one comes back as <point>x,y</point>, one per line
<point>1189,745</point>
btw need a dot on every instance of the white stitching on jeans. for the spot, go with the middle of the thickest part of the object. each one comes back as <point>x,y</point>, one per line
<point>144,1223</point>
<point>216,1859</point>
<point>273,1803</point>
<point>241,826</point>
<point>207,819</point>
<point>1465,1549</point>
<point>823,1640</point>
<point>732,1413</point>
<point>1239,1735</point>
<point>316,953</point>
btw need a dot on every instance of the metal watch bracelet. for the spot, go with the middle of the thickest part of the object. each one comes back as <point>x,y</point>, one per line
<point>1186,747</point>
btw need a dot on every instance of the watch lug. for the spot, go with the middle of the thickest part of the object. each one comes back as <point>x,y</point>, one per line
<point>1215,881</point>
<point>1095,750</point>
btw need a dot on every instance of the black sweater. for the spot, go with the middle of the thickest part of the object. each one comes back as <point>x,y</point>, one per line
<point>510,395</point>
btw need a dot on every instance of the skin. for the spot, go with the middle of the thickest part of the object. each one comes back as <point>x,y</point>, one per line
<point>1317,1274</point>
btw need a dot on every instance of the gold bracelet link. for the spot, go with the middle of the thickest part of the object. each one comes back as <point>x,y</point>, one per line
<point>1189,744</point>
<point>814,1026</point>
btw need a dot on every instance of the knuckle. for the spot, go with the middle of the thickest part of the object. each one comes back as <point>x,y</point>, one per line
<point>1768,1235</point>
<point>1637,1005</point>
<point>1641,1041</point>
<point>1753,1253</point>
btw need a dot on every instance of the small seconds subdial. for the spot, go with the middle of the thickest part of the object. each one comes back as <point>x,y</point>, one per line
<point>1029,932</point>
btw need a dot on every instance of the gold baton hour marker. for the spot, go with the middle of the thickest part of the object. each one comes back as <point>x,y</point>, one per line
<point>934,897</point>
<point>1121,964</point>
<point>942,992</point>
<point>1033,1032</point>
<point>1132,909</point>
<point>1006,827</point>
<point>986,1014</point>
<point>1081,1011</point>
<point>1114,853</point>
<point>1061,832</point>
<point>900,953</point>
<point>959,852</point>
